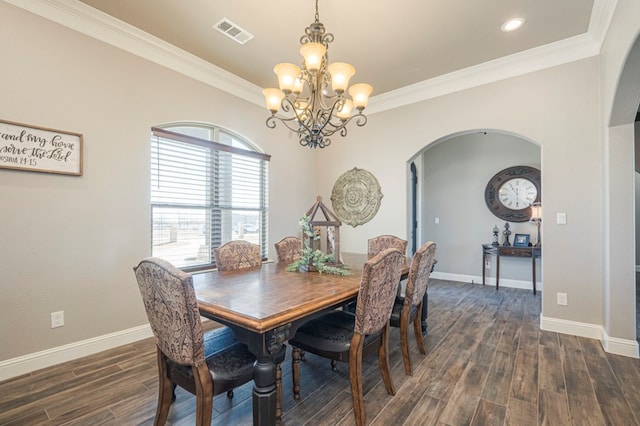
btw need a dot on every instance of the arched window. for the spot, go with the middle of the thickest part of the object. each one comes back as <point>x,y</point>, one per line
<point>208,187</point>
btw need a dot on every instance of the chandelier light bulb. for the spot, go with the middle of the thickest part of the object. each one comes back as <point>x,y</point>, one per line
<point>298,86</point>
<point>360,95</point>
<point>340,74</point>
<point>273,98</point>
<point>344,112</point>
<point>287,76</point>
<point>313,53</point>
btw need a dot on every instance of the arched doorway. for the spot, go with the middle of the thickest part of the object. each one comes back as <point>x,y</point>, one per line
<point>452,174</point>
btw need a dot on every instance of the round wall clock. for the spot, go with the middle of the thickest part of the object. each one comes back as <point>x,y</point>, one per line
<point>511,191</point>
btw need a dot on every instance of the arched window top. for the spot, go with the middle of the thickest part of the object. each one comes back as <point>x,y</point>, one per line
<point>211,133</point>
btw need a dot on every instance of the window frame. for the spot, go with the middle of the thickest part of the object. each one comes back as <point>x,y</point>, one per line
<point>219,152</point>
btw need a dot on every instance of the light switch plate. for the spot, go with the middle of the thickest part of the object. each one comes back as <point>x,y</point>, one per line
<point>561,218</point>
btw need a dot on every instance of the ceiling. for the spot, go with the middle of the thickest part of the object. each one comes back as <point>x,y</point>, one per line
<point>392,45</point>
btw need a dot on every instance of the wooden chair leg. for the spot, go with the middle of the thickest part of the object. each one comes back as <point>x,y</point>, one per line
<point>295,371</point>
<point>204,395</point>
<point>165,391</point>
<point>355,378</point>
<point>417,330</point>
<point>383,361</point>
<point>278,392</point>
<point>404,338</point>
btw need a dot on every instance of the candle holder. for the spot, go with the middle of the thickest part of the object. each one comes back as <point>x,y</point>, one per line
<point>495,236</point>
<point>506,234</point>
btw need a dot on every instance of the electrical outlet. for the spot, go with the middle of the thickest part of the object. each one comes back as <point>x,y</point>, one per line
<point>487,264</point>
<point>561,299</point>
<point>57,319</point>
<point>561,218</point>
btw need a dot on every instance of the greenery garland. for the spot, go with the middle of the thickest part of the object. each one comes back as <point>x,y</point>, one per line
<point>309,257</point>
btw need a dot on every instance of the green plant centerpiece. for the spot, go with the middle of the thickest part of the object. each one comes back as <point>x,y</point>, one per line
<point>311,258</point>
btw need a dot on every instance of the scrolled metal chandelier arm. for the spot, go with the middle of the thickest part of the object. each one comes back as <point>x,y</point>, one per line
<point>312,98</point>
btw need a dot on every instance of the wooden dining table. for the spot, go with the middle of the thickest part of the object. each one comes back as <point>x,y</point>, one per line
<point>265,305</point>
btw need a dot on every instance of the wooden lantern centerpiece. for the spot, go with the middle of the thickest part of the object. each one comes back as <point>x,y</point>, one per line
<point>320,242</point>
<point>325,224</point>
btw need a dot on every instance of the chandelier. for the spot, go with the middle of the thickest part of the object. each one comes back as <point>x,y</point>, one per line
<point>311,99</point>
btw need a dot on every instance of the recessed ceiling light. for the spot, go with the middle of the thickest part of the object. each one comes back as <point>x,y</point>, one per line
<point>512,24</point>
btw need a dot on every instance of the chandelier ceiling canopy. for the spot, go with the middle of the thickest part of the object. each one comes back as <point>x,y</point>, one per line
<point>311,99</point>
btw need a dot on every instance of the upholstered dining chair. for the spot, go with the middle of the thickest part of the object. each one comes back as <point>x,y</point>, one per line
<point>374,246</point>
<point>288,249</point>
<point>237,254</point>
<point>240,254</point>
<point>205,364</point>
<point>407,309</point>
<point>345,336</point>
<point>381,242</point>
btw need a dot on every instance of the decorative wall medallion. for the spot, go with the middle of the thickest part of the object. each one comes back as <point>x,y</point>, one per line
<point>356,197</point>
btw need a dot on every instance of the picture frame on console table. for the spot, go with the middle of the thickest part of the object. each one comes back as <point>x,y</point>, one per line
<point>521,240</point>
<point>40,149</point>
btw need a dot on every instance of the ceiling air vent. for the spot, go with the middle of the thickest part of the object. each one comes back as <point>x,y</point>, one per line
<point>233,31</point>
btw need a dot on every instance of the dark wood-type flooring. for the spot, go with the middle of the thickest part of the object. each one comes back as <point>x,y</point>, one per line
<point>487,363</point>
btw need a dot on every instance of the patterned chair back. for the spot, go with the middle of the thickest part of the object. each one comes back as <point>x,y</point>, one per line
<point>421,267</point>
<point>378,287</point>
<point>288,249</point>
<point>381,242</point>
<point>172,309</point>
<point>238,254</point>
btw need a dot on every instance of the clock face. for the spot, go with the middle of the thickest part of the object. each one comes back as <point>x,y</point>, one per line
<point>510,193</point>
<point>517,193</point>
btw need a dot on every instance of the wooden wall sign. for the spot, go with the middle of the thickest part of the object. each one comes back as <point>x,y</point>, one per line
<point>38,149</point>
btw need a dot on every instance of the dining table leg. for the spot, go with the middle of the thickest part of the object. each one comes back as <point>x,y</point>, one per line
<point>269,349</point>
<point>264,391</point>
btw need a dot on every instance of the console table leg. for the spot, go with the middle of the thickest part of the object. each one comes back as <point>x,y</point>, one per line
<point>533,262</point>
<point>484,266</point>
<point>497,272</point>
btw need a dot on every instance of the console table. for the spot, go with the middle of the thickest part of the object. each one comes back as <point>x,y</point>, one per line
<point>510,251</point>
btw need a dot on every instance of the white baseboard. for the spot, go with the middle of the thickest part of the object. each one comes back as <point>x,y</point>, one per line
<point>617,346</point>
<point>612,345</point>
<point>524,285</point>
<point>27,363</point>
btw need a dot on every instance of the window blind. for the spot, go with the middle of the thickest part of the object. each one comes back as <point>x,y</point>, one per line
<point>203,194</point>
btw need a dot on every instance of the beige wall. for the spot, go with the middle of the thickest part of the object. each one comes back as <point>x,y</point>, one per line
<point>69,243</point>
<point>557,109</point>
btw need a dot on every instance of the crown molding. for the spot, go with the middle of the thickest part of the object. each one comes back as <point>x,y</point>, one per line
<point>91,22</point>
<point>536,59</point>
